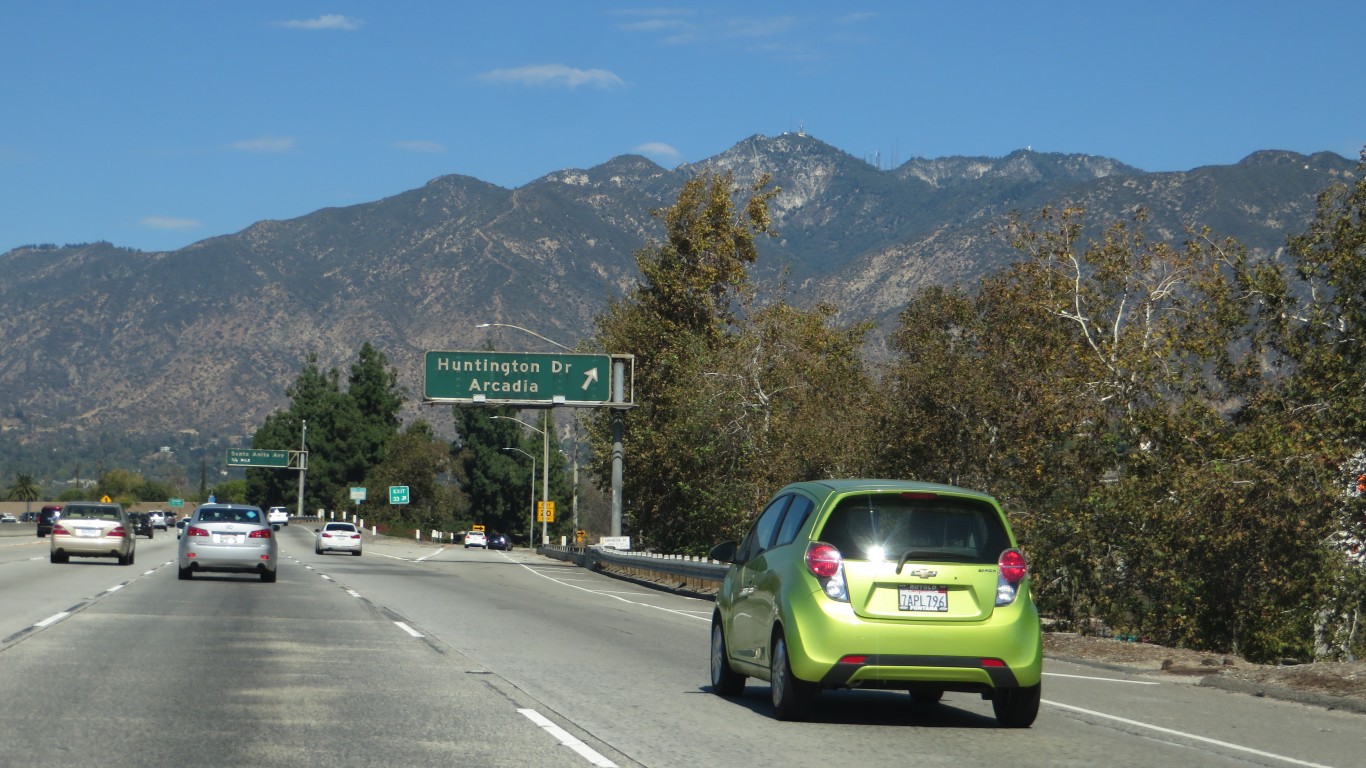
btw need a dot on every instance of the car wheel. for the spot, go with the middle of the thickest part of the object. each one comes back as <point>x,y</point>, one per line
<point>724,680</point>
<point>927,698</point>
<point>356,553</point>
<point>1016,707</point>
<point>59,559</point>
<point>317,550</point>
<point>791,696</point>
<point>268,577</point>
<point>184,574</point>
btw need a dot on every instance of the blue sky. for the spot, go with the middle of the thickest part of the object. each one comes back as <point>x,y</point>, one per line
<point>156,124</point>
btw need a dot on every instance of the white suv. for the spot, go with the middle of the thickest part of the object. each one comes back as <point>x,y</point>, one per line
<point>278,516</point>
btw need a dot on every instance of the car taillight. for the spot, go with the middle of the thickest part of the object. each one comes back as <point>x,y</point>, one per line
<point>263,533</point>
<point>1013,566</point>
<point>117,531</point>
<point>58,530</point>
<point>191,530</point>
<point>825,563</point>
<point>823,560</point>
<point>1011,569</point>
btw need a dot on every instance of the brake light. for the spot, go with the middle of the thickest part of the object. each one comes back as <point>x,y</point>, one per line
<point>263,533</point>
<point>117,531</point>
<point>1013,566</point>
<point>58,530</point>
<point>823,560</point>
<point>919,495</point>
<point>825,563</point>
<point>1010,571</point>
<point>191,530</point>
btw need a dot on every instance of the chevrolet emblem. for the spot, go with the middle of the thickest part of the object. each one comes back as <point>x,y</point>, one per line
<point>924,573</point>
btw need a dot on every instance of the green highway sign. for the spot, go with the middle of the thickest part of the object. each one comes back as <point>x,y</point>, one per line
<point>398,494</point>
<point>256,457</point>
<point>176,502</point>
<point>517,378</point>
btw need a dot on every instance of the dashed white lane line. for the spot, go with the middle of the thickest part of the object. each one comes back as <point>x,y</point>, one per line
<point>53,619</point>
<point>567,739</point>
<point>408,629</point>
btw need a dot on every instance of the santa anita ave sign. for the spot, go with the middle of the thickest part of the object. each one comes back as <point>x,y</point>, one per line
<point>517,378</point>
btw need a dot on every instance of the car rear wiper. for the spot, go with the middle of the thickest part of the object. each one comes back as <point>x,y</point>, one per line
<point>931,554</point>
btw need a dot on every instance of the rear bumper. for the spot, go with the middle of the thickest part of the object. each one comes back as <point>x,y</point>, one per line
<point>839,649</point>
<point>230,559</point>
<point>76,546</point>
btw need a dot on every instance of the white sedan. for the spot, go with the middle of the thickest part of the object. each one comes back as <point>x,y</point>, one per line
<point>337,537</point>
<point>476,539</point>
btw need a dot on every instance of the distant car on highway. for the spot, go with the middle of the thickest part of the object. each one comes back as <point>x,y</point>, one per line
<point>337,537</point>
<point>46,517</point>
<point>8,518</point>
<point>500,541</point>
<point>91,529</point>
<point>476,539</point>
<point>142,524</point>
<point>157,519</point>
<point>233,538</point>
<point>278,516</point>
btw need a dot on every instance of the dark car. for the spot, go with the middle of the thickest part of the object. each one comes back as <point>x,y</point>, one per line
<point>500,541</point>
<point>142,524</point>
<point>47,516</point>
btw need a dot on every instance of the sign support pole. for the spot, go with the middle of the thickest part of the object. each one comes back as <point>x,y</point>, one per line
<point>303,466</point>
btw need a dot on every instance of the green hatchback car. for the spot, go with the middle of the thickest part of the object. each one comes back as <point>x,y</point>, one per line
<point>880,584</point>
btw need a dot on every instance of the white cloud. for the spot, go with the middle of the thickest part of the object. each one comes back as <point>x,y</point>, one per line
<point>420,146</point>
<point>169,222</point>
<point>657,149</point>
<point>553,75</point>
<point>264,144</point>
<point>326,21</point>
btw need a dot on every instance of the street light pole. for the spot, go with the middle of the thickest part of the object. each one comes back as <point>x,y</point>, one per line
<point>524,330</point>
<point>531,522</point>
<point>545,467</point>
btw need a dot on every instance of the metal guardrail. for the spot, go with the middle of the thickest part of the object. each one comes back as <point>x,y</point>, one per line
<point>683,573</point>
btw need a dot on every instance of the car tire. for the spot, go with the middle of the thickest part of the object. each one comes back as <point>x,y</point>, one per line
<point>356,553</point>
<point>268,577</point>
<point>184,574</point>
<point>725,681</point>
<point>1016,707</point>
<point>59,559</point>
<point>791,696</point>
<point>317,550</point>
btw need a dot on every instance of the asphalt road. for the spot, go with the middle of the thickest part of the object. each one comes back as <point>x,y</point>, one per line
<point>417,655</point>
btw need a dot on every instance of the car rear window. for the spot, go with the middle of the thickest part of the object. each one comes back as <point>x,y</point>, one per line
<point>229,515</point>
<point>919,526</point>
<point>339,527</point>
<point>90,512</point>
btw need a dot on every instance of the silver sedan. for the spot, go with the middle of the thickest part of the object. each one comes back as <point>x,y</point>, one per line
<point>234,538</point>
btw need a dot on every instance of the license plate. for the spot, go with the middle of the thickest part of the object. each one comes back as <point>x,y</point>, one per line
<point>227,538</point>
<point>89,532</point>
<point>934,599</point>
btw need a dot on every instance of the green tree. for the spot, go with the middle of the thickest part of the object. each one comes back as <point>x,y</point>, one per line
<point>418,459</point>
<point>676,322</point>
<point>25,489</point>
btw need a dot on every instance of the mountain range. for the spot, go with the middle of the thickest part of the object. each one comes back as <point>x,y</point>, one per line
<point>194,347</point>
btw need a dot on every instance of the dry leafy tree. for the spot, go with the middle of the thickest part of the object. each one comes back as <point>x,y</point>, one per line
<point>733,400</point>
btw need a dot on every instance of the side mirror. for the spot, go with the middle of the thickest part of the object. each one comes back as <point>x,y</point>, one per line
<point>724,552</point>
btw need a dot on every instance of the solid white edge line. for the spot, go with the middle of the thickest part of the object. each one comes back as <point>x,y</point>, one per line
<point>408,629</point>
<point>1191,736</point>
<point>617,596</point>
<point>1102,679</point>
<point>567,739</point>
<point>53,619</point>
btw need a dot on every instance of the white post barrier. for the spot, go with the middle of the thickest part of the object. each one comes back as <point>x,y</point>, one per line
<point>419,534</point>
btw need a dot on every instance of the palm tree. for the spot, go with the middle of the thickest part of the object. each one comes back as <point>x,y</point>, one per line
<point>25,489</point>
